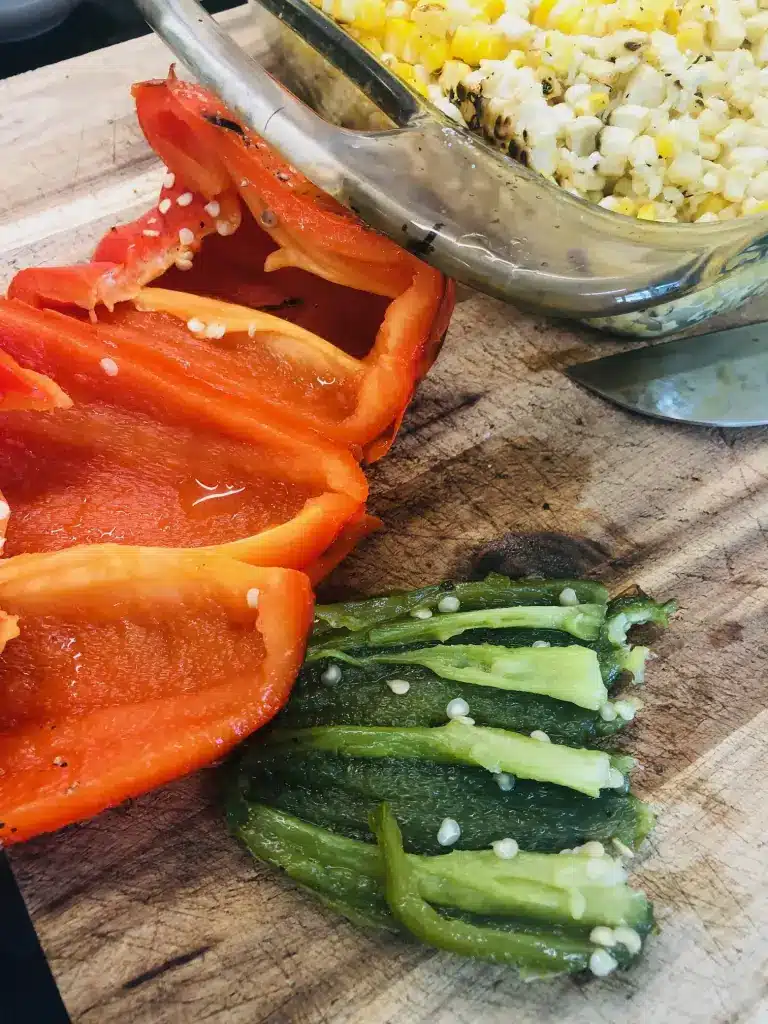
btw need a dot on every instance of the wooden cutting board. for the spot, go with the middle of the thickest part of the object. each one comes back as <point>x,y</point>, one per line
<point>150,914</point>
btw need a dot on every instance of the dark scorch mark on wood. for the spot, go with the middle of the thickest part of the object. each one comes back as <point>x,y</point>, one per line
<point>542,554</point>
<point>436,411</point>
<point>725,633</point>
<point>168,965</point>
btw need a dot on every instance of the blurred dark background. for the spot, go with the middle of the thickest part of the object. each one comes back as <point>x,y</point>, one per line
<point>95,23</point>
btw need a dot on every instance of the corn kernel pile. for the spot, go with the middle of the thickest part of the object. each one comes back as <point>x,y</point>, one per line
<point>656,109</point>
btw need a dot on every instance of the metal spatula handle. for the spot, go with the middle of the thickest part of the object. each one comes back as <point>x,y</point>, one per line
<point>442,193</point>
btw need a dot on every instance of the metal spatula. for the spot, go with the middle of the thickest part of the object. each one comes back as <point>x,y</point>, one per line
<point>718,379</point>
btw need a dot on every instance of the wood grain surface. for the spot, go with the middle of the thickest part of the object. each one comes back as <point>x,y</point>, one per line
<point>150,914</point>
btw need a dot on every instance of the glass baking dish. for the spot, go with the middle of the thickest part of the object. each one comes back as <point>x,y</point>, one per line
<point>446,195</point>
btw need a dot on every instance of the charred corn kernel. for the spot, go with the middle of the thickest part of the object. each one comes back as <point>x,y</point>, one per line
<point>454,71</point>
<point>647,212</point>
<point>713,204</point>
<point>541,14</point>
<point>666,146</point>
<point>550,83</point>
<point>690,36</point>
<point>433,52</point>
<point>432,16</point>
<point>473,43</point>
<point>400,38</point>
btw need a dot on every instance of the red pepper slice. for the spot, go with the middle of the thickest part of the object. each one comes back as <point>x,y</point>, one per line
<point>143,458</point>
<point>21,388</point>
<point>236,224</point>
<point>133,666</point>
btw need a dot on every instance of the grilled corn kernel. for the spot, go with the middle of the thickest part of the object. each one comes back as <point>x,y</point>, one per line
<point>489,10</point>
<point>690,36</point>
<point>713,204</point>
<point>541,14</point>
<point>454,71</point>
<point>432,16</point>
<point>666,146</point>
<point>409,74</point>
<point>562,51</point>
<point>647,212</point>
<point>433,52</point>
<point>647,15</point>
<point>593,104</point>
<point>566,17</point>
<point>550,84</point>
<point>671,20</point>
<point>473,43</point>
<point>400,38</point>
<point>365,15</point>
<point>371,43</point>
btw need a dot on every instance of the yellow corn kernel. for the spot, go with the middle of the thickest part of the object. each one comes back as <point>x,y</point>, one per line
<point>595,103</point>
<point>433,52</point>
<point>760,208</point>
<point>627,207</point>
<point>561,51</point>
<point>647,212</point>
<point>371,43</point>
<point>566,17</point>
<point>666,146</point>
<point>400,38</point>
<point>585,26</point>
<point>367,15</point>
<point>714,204</point>
<point>432,16</point>
<point>489,10</point>
<point>693,10</point>
<point>690,36</point>
<point>671,20</point>
<point>408,74</point>
<point>647,15</point>
<point>404,70</point>
<point>454,71</point>
<point>473,43</point>
<point>541,14</point>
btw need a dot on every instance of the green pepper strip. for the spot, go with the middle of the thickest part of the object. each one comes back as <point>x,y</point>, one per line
<point>539,951</point>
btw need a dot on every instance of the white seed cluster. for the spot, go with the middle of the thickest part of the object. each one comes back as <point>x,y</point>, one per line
<point>399,686</point>
<point>449,832</point>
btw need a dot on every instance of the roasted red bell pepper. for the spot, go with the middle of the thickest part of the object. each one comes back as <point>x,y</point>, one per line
<point>22,389</point>
<point>336,323</point>
<point>133,666</point>
<point>144,458</point>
